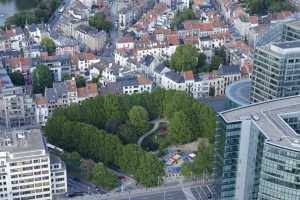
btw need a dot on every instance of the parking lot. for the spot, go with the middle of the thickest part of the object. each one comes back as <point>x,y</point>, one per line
<point>204,192</point>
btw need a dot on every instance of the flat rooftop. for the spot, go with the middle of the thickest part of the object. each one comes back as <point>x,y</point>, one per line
<point>239,92</point>
<point>295,24</point>
<point>22,142</point>
<point>268,117</point>
<point>288,45</point>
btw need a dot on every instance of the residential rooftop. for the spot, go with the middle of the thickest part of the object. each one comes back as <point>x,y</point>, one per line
<point>269,117</point>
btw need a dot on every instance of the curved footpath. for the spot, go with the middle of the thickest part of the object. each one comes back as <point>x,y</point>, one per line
<point>156,123</point>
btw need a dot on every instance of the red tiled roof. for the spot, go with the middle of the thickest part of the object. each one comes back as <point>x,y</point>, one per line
<point>143,81</point>
<point>90,90</point>
<point>41,101</point>
<point>188,75</point>
<point>193,24</point>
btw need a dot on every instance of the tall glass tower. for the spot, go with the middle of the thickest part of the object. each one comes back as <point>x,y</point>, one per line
<point>258,151</point>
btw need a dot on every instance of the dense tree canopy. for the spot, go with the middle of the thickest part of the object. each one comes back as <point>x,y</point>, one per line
<point>42,77</point>
<point>17,78</point>
<point>49,44</point>
<point>138,117</point>
<point>101,176</point>
<point>73,159</point>
<point>84,128</point>
<point>203,162</point>
<point>185,58</point>
<point>262,7</point>
<point>100,22</point>
<point>181,16</point>
<point>41,12</point>
<point>80,81</point>
<point>180,128</point>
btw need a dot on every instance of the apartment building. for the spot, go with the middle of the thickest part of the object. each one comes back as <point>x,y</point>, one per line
<point>257,151</point>
<point>61,94</point>
<point>25,167</point>
<point>127,85</point>
<point>91,37</point>
<point>16,107</point>
<point>276,71</point>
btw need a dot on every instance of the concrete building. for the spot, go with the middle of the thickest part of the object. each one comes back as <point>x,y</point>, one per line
<point>16,107</point>
<point>295,3</point>
<point>291,31</point>
<point>58,175</point>
<point>26,167</point>
<point>91,37</point>
<point>59,65</point>
<point>61,94</point>
<point>41,110</point>
<point>258,150</point>
<point>127,85</point>
<point>276,71</point>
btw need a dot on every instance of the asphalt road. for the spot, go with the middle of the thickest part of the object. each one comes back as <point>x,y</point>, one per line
<point>174,195</point>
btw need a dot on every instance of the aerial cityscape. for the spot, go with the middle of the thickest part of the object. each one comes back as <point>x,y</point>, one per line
<point>150,99</point>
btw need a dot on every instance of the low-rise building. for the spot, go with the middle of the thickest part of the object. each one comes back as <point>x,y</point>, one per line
<point>16,107</point>
<point>127,85</point>
<point>91,37</point>
<point>41,110</point>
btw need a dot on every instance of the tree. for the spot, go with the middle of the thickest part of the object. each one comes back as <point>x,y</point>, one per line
<point>49,44</point>
<point>80,128</point>
<point>101,176</point>
<point>201,60</point>
<point>204,159</point>
<point>17,78</point>
<point>80,81</point>
<point>42,77</point>
<point>185,58</point>
<point>186,170</point>
<point>96,79</point>
<point>35,11</point>
<point>66,77</point>
<point>211,91</point>
<point>73,159</point>
<point>128,134</point>
<point>99,21</point>
<point>180,128</point>
<point>181,16</point>
<point>216,61</point>
<point>262,7</point>
<point>138,117</point>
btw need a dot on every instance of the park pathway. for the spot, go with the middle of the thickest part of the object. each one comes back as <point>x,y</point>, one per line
<point>156,123</point>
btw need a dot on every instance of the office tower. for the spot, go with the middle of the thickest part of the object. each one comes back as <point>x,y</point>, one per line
<point>291,31</point>
<point>258,151</point>
<point>26,168</point>
<point>276,71</point>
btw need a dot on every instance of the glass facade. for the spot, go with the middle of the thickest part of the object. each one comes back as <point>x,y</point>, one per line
<point>274,74</point>
<point>227,148</point>
<point>280,174</point>
<point>276,172</point>
<point>293,120</point>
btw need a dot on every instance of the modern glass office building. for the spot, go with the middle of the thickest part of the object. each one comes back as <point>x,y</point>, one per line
<point>258,151</point>
<point>276,71</point>
<point>238,94</point>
